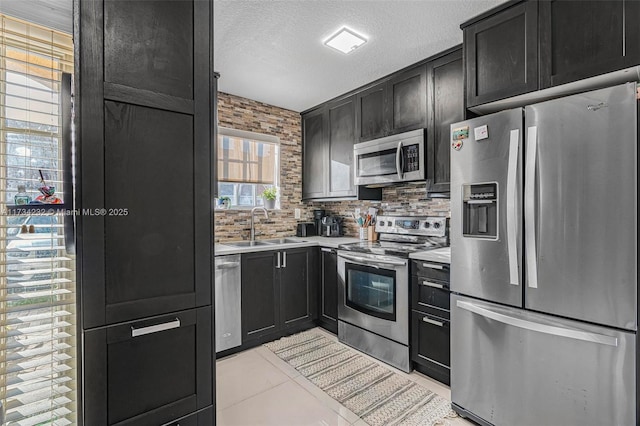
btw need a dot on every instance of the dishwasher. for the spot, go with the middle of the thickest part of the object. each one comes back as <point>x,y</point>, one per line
<point>228,302</point>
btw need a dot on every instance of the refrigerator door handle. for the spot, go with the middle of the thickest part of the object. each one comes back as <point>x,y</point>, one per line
<point>530,206</point>
<point>538,327</point>
<point>512,211</point>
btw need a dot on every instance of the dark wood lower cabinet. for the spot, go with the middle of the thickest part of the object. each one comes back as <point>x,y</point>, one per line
<point>260,295</point>
<point>278,292</point>
<point>430,324</point>
<point>298,283</point>
<point>205,417</point>
<point>328,290</point>
<point>149,372</point>
<point>430,349</point>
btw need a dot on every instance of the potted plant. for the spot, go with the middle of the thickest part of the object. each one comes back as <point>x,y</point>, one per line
<point>224,202</point>
<point>269,196</point>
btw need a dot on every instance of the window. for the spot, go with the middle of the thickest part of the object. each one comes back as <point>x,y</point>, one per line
<point>37,275</point>
<point>247,164</point>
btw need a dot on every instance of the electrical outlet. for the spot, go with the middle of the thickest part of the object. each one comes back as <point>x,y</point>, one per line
<point>357,212</point>
<point>297,213</point>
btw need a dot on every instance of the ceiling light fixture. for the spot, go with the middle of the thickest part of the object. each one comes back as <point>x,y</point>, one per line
<point>345,40</point>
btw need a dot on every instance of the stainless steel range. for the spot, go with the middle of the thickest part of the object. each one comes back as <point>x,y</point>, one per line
<point>373,286</point>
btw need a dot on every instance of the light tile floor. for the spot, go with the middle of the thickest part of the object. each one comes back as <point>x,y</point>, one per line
<point>255,387</point>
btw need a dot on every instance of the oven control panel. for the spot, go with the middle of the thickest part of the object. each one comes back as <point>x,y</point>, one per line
<point>431,226</point>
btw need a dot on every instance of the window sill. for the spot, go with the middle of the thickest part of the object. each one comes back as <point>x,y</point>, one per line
<point>244,209</point>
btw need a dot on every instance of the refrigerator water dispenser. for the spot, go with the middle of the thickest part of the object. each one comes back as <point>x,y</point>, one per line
<point>480,210</point>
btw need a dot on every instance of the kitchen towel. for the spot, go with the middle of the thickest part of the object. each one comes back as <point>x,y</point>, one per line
<point>376,394</point>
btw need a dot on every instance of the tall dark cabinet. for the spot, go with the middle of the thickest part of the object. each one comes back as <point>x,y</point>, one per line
<point>145,96</point>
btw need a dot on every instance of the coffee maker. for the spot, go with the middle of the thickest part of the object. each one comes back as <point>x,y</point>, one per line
<point>317,219</point>
<point>332,226</point>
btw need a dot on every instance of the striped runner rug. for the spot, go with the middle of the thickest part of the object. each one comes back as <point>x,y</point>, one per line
<point>376,394</point>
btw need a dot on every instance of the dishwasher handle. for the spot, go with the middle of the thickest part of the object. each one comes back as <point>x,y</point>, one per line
<point>228,265</point>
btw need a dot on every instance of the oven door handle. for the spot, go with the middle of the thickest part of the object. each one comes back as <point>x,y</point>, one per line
<point>372,262</point>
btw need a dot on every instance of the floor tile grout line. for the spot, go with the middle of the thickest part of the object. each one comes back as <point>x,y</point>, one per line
<point>289,379</point>
<point>334,401</point>
<point>279,361</point>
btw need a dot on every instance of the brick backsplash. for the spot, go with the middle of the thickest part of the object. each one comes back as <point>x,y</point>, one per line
<point>245,114</point>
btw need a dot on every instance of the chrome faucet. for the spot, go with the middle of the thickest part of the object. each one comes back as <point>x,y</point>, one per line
<point>253,210</point>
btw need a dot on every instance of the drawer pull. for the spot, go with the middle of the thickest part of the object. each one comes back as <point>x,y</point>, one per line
<point>433,266</point>
<point>430,284</point>
<point>136,332</point>
<point>434,322</point>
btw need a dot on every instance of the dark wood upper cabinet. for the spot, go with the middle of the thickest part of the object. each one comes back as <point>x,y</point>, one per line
<point>342,123</point>
<point>371,116</point>
<point>501,54</point>
<point>581,39</point>
<point>315,147</point>
<point>445,87</point>
<point>396,105</point>
<point>328,136</point>
<point>407,100</point>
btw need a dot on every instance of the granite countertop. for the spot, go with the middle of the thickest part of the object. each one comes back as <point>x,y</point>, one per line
<point>440,255</point>
<point>331,242</point>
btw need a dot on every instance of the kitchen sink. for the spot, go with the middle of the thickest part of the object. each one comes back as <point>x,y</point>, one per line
<point>270,242</point>
<point>283,241</point>
<point>248,243</point>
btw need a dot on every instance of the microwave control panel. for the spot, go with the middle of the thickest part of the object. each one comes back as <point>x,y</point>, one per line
<point>411,158</point>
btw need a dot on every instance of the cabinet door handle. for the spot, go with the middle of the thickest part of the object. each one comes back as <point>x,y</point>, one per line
<point>284,259</point>
<point>434,322</point>
<point>136,332</point>
<point>433,266</point>
<point>430,284</point>
<point>278,261</point>
<point>327,250</point>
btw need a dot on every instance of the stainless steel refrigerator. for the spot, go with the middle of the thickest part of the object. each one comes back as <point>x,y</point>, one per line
<point>544,310</point>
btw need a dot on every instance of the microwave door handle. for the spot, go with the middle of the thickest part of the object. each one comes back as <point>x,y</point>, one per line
<point>399,161</point>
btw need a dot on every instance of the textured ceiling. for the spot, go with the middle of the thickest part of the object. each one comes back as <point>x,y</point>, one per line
<point>272,51</point>
<point>56,14</point>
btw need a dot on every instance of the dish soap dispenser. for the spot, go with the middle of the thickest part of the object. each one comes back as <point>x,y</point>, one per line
<point>22,197</point>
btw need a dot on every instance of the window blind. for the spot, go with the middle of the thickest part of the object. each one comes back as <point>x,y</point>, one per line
<point>37,276</point>
<point>246,160</point>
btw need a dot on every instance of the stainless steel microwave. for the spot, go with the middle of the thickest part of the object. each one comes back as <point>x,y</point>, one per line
<point>392,159</point>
